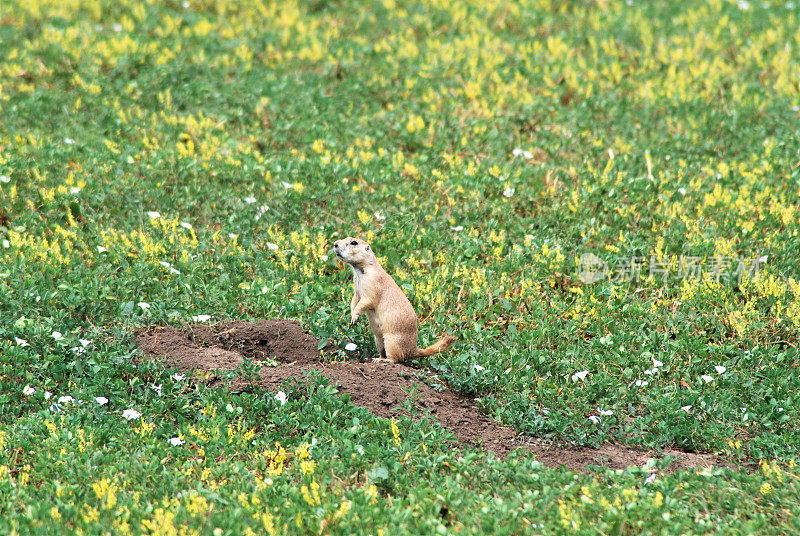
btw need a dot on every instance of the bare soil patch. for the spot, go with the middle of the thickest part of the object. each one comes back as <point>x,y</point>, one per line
<point>381,388</point>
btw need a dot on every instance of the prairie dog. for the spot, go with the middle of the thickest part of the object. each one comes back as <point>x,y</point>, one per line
<point>391,316</point>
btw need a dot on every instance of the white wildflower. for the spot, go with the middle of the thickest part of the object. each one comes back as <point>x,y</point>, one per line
<point>131,414</point>
<point>581,375</point>
<point>169,266</point>
<point>263,209</point>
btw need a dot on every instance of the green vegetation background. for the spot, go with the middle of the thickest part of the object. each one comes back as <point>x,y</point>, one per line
<point>165,160</point>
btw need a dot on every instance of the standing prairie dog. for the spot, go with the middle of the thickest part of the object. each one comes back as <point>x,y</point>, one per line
<point>391,316</point>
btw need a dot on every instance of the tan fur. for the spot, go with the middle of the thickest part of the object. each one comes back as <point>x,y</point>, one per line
<point>390,314</point>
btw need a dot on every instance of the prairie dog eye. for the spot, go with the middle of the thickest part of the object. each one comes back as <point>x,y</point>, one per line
<point>353,243</point>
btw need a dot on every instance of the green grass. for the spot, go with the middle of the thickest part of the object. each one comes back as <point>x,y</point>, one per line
<point>655,130</point>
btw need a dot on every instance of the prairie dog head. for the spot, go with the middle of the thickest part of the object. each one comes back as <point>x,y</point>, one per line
<point>354,252</point>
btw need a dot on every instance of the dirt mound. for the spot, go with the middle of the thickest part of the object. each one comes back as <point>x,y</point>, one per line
<point>378,387</point>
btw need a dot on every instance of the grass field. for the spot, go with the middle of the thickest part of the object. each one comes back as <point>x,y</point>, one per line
<point>160,161</point>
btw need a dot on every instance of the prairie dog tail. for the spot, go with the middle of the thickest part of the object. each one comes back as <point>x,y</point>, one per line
<point>439,346</point>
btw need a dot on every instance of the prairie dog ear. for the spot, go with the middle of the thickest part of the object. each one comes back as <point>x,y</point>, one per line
<point>367,247</point>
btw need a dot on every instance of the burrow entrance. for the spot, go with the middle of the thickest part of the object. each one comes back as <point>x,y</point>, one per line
<point>379,387</point>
